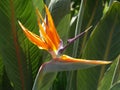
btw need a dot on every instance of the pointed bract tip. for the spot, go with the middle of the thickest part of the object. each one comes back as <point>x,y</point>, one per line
<point>88,28</point>
<point>23,28</point>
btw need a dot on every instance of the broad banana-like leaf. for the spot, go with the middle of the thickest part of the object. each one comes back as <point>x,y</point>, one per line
<point>59,9</point>
<point>44,79</point>
<point>111,76</point>
<point>1,73</point>
<point>104,43</point>
<point>63,27</point>
<point>92,13</point>
<point>38,4</point>
<point>116,86</point>
<point>89,14</point>
<point>20,57</point>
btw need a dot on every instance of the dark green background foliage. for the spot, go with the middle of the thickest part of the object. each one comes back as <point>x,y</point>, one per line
<point>20,60</point>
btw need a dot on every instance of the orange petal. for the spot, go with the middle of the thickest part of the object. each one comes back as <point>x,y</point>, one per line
<point>65,58</point>
<point>51,30</point>
<point>42,30</point>
<point>46,38</point>
<point>34,38</point>
<point>40,16</point>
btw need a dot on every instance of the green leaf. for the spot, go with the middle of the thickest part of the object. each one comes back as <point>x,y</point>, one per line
<point>92,13</point>
<point>58,6</point>
<point>76,44</point>
<point>63,27</point>
<point>104,43</point>
<point>89,14</point>
<point>20,57</point>
<point>38,4</point>
<point>6,83</point>
<point>1,73</point>
<point>32,53</point>
<point>109,77</point>
<point>44,79</point>
<point>116,86</point>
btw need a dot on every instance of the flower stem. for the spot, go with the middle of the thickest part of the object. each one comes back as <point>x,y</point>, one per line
<point>71,85</point>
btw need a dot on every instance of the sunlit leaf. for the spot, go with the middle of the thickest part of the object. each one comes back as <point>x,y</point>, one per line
<point>103,44</point>
<point>110,75</point>
<point>58,6</point>
<point>116,86</point>
<point>14,49</point>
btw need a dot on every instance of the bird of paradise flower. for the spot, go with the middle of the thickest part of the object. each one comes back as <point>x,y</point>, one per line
<point>50,40</point>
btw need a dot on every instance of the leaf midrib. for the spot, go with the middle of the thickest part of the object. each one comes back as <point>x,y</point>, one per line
<point>13,28</point>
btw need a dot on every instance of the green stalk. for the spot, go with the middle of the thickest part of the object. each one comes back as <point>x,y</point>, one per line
<point>110,2</point>
<point>71,85</point>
